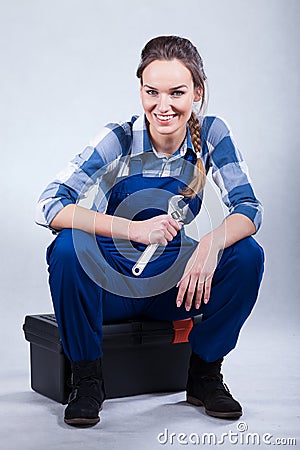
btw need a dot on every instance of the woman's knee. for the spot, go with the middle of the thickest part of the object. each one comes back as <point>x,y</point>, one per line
<point>245,256</point>
<point>68,247</point>
<point>248,257</point>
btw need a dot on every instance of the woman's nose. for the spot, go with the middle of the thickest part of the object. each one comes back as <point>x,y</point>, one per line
<point>163,103</point>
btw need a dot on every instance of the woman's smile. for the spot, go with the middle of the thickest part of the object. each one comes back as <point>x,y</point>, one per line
<point>165,119</point>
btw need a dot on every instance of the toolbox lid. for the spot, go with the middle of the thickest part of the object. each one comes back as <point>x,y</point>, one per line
<point>42,330</point>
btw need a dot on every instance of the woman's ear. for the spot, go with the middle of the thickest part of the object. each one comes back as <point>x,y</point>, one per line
<point>197,95</point>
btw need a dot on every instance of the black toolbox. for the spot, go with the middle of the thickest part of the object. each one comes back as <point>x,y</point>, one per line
<point>139,357</point>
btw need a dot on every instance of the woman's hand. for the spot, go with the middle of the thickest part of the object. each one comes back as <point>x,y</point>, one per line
<point>157,230</point>
<point>196,280</point>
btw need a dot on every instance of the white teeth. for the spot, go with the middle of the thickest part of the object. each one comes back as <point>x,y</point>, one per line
<point>164,117</point>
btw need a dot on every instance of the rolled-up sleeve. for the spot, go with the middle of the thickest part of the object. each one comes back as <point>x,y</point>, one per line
<point>75,180</point>
<point>230,173</point>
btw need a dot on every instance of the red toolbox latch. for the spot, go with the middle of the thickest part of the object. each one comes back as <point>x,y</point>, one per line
<point>182,330</point>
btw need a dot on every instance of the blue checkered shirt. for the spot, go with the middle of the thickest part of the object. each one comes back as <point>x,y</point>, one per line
<point>94,171</point>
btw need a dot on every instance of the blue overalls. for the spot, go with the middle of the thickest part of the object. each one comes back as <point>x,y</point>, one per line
<point>91,280</point>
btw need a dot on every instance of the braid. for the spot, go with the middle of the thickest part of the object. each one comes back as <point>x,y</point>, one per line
<point>195,132</point>
<point>198,182</point>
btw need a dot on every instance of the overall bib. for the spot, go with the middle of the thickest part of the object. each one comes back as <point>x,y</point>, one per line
<point>91,278</point>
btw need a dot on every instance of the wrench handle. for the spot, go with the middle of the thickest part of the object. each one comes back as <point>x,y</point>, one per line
<point>144,259</point>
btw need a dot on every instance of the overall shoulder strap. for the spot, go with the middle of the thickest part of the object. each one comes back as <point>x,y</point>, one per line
<point>135,165</point>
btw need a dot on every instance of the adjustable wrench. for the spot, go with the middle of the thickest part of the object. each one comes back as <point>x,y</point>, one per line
<point>178,214</point>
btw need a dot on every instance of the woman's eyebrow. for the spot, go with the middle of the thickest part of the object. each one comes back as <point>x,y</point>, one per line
<point>171,89</point>
<point>149,87</point>
<point>178,87</point>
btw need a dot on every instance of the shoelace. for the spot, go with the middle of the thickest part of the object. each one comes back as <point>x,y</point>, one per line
<point>221,385</point>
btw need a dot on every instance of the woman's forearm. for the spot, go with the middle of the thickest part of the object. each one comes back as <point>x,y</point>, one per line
<point>157,230</point>
<point>74,216</point>
<point>234,228</point>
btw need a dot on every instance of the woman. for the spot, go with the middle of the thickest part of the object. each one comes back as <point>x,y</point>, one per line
<point>138,166</point>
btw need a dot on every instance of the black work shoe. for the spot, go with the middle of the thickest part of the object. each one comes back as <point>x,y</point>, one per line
<point>87,396</point>
<point>205,387</point>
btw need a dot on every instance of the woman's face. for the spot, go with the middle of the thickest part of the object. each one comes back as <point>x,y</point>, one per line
<point>168,93</point>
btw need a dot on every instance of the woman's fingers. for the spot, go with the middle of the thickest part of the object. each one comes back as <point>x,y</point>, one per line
<point>199,293</point>
<point>169,227</point>
<point>195,284</point>
<point>157,237</point>
<point>157,230</point>
<point>186,291</point>
<point>207,289</point>
<point>161,229</point>
<point>182,285</point>
<point>189,294</point>
<point>191,287</point>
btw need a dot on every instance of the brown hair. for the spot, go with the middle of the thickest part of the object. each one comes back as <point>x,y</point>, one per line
<point>175,47</point>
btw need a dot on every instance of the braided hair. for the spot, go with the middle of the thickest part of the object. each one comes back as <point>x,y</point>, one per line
<point>175,47</point>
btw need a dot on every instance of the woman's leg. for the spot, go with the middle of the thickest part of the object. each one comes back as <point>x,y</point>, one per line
<point>77,281</point>
<point>234,291</point>
<point>76,298</point>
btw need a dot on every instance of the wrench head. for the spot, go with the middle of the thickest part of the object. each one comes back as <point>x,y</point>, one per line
<point>177,208</point>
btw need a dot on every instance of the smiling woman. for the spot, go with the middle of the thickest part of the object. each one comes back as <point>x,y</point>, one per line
<point>168,95</point>
<point>168,108</point>
<point>139,168</point>
<point>176,64</point>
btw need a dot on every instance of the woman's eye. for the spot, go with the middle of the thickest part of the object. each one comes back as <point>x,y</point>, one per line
<point>177,93</point>
<point>151,92</point>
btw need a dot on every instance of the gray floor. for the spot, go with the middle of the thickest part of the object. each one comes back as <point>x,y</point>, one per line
<point>262,373</point>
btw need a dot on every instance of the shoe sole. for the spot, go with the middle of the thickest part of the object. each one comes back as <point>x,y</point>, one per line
<point>221,415</point>
<point>82,422</point>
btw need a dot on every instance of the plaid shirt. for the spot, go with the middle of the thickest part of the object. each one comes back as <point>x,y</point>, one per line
<point>106,158</point>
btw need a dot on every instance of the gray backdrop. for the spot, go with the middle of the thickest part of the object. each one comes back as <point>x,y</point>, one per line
<point>68,67</point>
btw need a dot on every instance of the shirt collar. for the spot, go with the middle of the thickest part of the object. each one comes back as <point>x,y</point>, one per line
<point>141,140</point>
